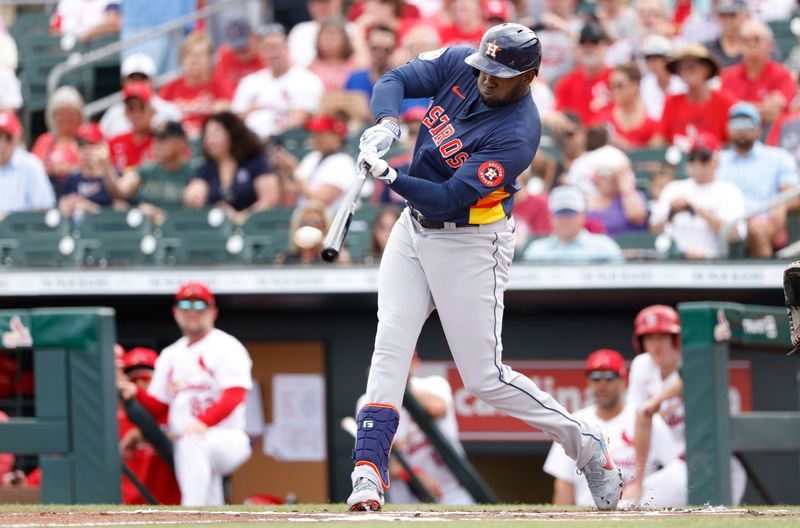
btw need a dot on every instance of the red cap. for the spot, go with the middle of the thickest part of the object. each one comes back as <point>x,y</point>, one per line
<point>90,133</point>
<point>139,357</point>
<point>496,9</point>
<point>706,142</point>
<point>137,89</point>
<point>415,113</point>
<point>320,124</point>
<point>9,123</point>
<point>606,359</point>
<point>195,291</point>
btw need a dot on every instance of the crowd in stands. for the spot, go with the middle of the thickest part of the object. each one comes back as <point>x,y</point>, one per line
<point>618,77</point>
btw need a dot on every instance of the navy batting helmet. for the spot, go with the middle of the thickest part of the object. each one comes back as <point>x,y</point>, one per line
<point>507,50</point>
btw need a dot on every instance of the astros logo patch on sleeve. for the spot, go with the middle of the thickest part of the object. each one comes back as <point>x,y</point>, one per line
<point>491,173</point>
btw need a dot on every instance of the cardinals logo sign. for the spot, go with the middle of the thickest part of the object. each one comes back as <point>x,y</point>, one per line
<point>491,173</point>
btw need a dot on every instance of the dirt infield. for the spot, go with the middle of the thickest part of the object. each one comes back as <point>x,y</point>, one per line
<point>474,517</point>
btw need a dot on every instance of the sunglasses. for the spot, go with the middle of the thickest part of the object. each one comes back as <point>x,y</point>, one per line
<point>187,304</point>
<point>701,156</point>
<point>568,213</point>
<point>608,375</point>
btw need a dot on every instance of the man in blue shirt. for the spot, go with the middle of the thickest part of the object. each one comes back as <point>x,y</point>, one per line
<point>761,172</point>
<point>24,185</point>
<point>452,247</point>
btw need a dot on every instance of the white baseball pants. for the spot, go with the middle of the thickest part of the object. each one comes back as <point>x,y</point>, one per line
<point>201,461</point>
<point>463,273</point>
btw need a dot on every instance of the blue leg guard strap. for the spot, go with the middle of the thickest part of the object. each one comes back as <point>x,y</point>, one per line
<point>377,425</point>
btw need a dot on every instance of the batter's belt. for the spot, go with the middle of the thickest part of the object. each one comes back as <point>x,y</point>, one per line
<point>436,224</point>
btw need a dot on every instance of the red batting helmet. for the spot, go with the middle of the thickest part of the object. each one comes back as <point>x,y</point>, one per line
<point>139,357</point>
<point>656,319</point>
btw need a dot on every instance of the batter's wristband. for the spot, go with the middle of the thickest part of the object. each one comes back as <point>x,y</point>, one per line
<point>391,125</point>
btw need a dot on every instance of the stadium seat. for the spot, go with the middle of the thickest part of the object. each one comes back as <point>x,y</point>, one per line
<point>641,245</point>
<point>38,251</point>
<point>268,221</point>
<point>262,249</point>
<point>196,249</point>
<point>784,38</point>
<point>358,244</point>
<point>185,222</point>
<point>296,141</point>
<point>111,238</point>
<point>34,223</point>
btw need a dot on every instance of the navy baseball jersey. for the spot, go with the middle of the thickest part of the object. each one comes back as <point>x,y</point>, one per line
<point>486,148</point>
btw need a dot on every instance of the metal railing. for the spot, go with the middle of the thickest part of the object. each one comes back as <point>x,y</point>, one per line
<point>77,61</point>
<point>778,199</point>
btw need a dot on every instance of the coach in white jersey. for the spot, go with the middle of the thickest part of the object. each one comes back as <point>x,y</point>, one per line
<point>607,376</point>
<point>656,389</point>
<point>201,381</point>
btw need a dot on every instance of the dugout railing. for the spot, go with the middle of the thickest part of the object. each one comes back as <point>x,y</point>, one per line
<point>74,430</point>
<point>709,331</point>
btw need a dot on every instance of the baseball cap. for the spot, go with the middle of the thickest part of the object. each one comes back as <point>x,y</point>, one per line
<point>415,113</point>
<point>321,124</point>
<point>656,46</point>
<point>9,123</point>
<point>89,134</point>
<point>730,6</point>
<point>139,357</point>
<point>705,142</point>
<point>169,129</point>
<point>566,197</point>
<point>592,33</point>
<point>271,29</point>
<point>237,34</point>
<point>137,89</point>
<point>195,291</point>
<point>496,9</point>
<point>606,359</point>
<point>743,115</point>
<point>138,63</point>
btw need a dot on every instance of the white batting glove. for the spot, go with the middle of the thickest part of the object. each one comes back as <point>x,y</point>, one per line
<point>379,169</point>
<point>380,137</point>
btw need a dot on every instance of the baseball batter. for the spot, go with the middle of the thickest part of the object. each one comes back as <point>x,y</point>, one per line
<point>201,381</point>
<point>451,250</point>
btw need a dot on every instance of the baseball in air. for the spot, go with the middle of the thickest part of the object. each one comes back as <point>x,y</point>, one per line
<point>307,237</point>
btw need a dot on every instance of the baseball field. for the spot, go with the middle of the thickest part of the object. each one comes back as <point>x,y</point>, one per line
<point>335,515</point>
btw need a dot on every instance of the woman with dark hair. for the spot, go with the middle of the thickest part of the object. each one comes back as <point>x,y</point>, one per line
<point>627,120</point>
<point>236,175</point>
<point>381,227</point>
<point>334,61</point>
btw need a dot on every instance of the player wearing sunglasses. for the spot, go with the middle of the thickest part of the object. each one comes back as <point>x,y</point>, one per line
<point>607,380</point>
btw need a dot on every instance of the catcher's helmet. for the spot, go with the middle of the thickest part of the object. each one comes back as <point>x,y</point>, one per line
<point>507,50</point>
<point>656,319</point>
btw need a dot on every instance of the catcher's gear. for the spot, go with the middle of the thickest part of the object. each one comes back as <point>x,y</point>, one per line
<point>791,295</point>
<point>656,319</point>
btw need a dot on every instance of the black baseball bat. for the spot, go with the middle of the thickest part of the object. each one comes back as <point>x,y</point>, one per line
<point>334,240</point>
<point>141,418</point>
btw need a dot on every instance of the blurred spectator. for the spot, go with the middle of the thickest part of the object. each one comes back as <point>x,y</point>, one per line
<point>11,94</point>
<point>307,230</point>
<point>84,191</point>
<point>381,228</point>
<point>530,211</point>
<point>628,124</point>
<point>570,145</point>
<point>236,175</point>
<point>398,15</point>
<point>135,147</point>
<point>617,203</point>
<point>758,79</point>
<point>6,459</point>
<point>303,36</point>
<point>239,56</point>
<point>696,208</point>
<point>558,28</point>
<point>137,454</point>
<point>498,12</point>
<point>617,18</point>
<point>585,90</point>
<point>280,96</point>
<point>24,185</point>
<point>700,25</point>
<point>86,19</point>
<point>652,19</point>
<point>655,186</point>
<point>334,59</point>
<point>658,82</point>
<point>419,39</point>
<point>137,68</point>
<point>157,186</point>
<point>785,133</point>
<point>700,109</point>
<point>731,15</point>
<point>570,241</point>
<point>772,10</point>
<point>381,43</point>
<point>325,173</point>
<point>581,170</point>
<point>761,172</point>
<point>194,92</point>
<point>57,148</point>
<point>467,24</point>
<point>140,15</point>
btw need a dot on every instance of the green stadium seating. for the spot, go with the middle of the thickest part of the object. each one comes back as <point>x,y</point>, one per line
<point>111,238</point>
<point>262,249</point>
<point>358,244</point>
<point>641,245</point>
<point>195,249</point>
<point>37,251</point>
<point>296,141</point>
<point>184,222</point>
<point>268,221</point>
<point>190,237</point>
<point>30,224</point>
<point>784,38</point>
